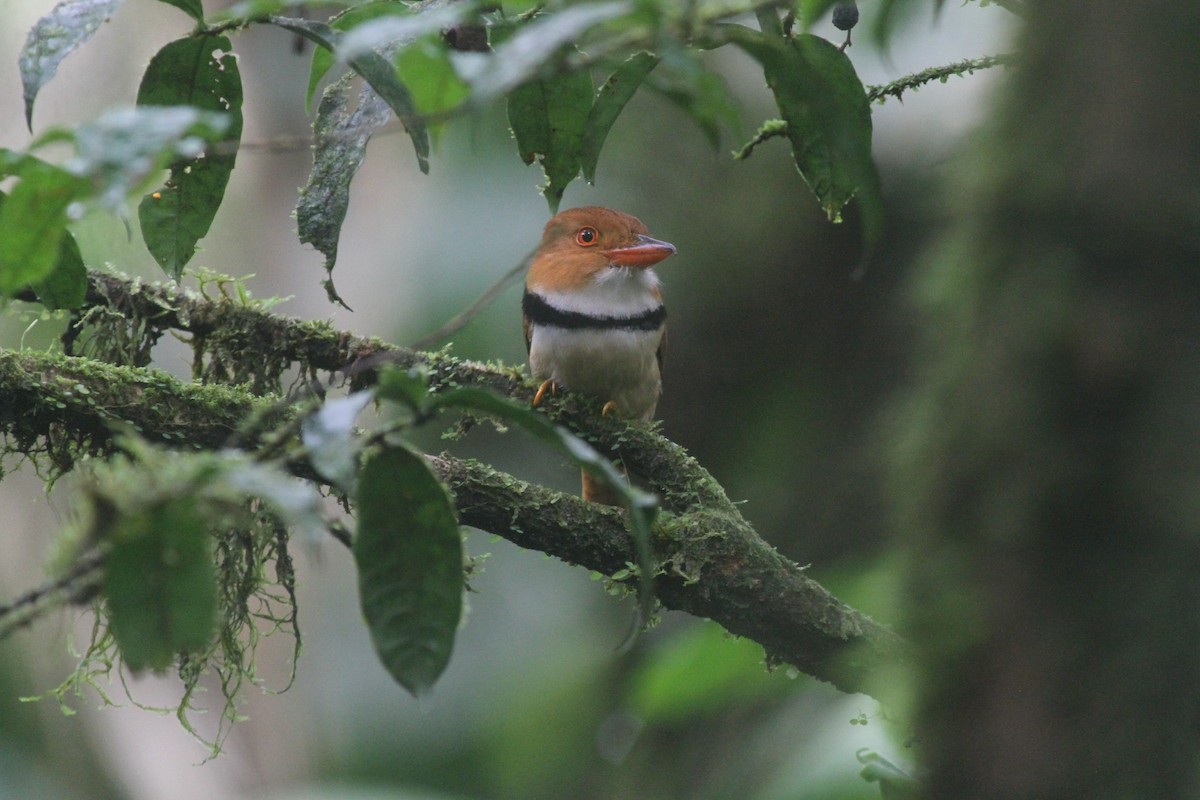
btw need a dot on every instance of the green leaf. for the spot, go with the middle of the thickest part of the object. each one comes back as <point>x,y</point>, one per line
<point>828,120</point>
<point>409,555</point>
<point>699,92</point>
<point>699,672</point>
<point>610,100</point>
<point>197,72</point>
<point>410,387</point>
<point>524,56</point>
<point>192,8</point>
<point>426,69</point>
<point>66,285</point>
<point>160,584</point>
<point>323,59</point>
<point>33,224</point>
<point>548,118</point>
<point>54,37</point>
<point>328,435</point>
<point>124,148</point>
<point>811,11</point>
<point>378,72</point>
<point>341,136</point>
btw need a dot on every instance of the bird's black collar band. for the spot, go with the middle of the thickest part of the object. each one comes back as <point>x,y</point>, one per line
<point>542,313</point>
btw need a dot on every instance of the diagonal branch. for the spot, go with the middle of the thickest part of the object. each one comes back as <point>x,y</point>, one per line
<point>713,564</point>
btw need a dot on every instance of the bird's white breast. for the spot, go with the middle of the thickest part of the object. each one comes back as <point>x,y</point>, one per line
<point>611,364</point>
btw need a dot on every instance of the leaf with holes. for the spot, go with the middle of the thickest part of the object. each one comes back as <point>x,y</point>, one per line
<point>548,118</point>
<point>409,555</point>
<point>197,72</point>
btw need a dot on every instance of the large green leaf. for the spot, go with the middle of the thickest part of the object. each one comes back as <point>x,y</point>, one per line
<point>610,100</point>
<point>54,37</point>
<point>425,68</point>
<point>33,225</point>
<point>197,72</point>
<point>66,284</point>
<point>160,584</point>
<point>548,119</point>
<point>119,152</point>
<point>828,120</point>
<point>409,555</point>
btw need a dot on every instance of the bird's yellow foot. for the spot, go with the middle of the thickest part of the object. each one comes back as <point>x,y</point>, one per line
<point>609,406</point>
<point>547,386</point>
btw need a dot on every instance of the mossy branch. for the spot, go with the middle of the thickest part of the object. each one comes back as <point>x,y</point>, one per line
<point>712,563</point>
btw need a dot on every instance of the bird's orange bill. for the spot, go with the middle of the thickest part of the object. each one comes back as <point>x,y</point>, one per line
<point>644,253</point>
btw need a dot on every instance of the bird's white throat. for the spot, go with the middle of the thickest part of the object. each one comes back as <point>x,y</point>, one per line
<point>614,292</point>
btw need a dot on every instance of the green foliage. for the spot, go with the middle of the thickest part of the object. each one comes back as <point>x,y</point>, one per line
<point>828,120</point>
<point>410,558</point>
<point>699,672</point>
<point>548,119</point>
<point>540,60</point>
<point>33,224</point>
<point>194,72</point>
<point>341,134</point>
<point>406,388</point>
<point>183,541</point>
<point>610,101</point>
<point>159,583</point>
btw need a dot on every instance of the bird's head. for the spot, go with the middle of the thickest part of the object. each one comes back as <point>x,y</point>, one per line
<point>580,244</point>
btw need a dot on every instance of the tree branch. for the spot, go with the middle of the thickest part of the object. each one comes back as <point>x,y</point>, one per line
<point>712,562</point>
<point>713,566</point>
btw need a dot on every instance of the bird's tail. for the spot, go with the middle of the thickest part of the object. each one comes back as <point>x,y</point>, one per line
<point>598,491</point>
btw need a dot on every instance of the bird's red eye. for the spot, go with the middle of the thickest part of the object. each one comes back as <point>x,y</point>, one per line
<point>587,237</point>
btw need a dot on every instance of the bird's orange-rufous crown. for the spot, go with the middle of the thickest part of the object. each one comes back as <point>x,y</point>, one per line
<point>580,242</point>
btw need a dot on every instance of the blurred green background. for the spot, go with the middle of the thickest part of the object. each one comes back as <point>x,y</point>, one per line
<point>779,370</point>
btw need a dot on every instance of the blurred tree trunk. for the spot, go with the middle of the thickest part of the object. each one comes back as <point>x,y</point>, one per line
<point>1049,455</point>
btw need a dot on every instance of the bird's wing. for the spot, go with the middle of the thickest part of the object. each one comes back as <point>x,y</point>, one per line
<point>527,327</point>
<point>662,349</point>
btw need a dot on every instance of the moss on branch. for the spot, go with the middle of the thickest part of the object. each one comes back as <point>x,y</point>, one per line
<point>711,561</point>
<point>712,564</point>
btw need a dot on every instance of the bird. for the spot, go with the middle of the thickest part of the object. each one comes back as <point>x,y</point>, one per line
<point>594,318</point>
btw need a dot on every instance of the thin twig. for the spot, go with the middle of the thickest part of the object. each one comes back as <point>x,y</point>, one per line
<point>878,94</point>
<point>460,321</point>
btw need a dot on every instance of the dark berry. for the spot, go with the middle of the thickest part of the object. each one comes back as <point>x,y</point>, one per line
<point>845,16</point>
